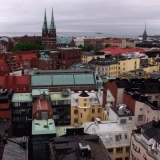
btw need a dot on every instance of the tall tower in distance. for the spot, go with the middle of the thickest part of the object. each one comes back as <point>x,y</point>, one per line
<point>49,35</point>
<point>145,33</point>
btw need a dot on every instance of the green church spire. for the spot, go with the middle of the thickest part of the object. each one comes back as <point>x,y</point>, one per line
<point>45,21</point>
<point>145,32</point>
<point>52,24</point>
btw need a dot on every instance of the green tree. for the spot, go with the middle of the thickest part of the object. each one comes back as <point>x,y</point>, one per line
<point>27,46</point>
<point>107,45</point>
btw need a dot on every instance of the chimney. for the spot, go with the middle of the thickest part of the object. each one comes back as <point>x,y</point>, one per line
<point>105,95</point>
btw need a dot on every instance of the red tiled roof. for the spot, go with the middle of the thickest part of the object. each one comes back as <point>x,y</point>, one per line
<point>117,50</point>
<point>4,64</point>
<point>21,79</point>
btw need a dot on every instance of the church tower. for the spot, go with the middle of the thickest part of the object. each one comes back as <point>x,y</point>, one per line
<point>52,33</point>
<point>44,31</point>
<point>145,34</point>
<point>49,35</point>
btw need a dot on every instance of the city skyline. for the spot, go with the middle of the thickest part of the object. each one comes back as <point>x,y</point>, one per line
<point>104,16</point>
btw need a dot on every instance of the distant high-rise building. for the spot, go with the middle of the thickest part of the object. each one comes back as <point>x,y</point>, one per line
<point>145,33</point>
<point>49,33</point>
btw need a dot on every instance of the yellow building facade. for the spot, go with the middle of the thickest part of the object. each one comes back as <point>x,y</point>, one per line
<point>88,56</point>
<point>85,107</point>
<point>128,65</point>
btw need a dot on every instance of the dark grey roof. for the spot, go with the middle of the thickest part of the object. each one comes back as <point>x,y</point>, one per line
<point>151,130</point>
<point>13,150</point>
<point>84,94</point>
<point>103,61</point>
<point>150,133</point>
<point>67,147</point>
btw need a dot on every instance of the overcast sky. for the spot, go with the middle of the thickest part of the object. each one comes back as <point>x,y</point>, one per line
<point>109,16</point>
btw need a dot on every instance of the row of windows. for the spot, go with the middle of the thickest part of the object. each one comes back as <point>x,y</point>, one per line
<point>119,150</point>
<point>92,119</point>
<point>93,110</point>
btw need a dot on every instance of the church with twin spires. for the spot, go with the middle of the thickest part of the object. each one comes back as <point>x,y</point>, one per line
<point>49,38</point>
<point>49,33</point>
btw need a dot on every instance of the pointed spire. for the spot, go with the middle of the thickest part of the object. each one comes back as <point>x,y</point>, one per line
<point>52,24</point>
<point>45,21</point>
<point>145,32</point>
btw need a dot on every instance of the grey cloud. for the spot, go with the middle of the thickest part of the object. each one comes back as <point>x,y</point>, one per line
<point>109,16</point>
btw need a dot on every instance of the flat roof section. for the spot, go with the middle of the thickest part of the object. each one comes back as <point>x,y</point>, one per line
<point>58,96</point>
<point>22,97</point>
<point>40,127</point>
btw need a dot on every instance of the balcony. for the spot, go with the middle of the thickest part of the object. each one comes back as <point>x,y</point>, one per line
<point>152,153</point>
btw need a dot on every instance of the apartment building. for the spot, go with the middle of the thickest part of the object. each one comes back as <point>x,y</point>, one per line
<point>145,108</point>
<point>76,144</point>
<point>105,66</point>
<point>114,133</point>
<point>88,56</point>
<point>115,42</point>
<point>145,142</point>
<point>85,106</point>
<point>79,41</point>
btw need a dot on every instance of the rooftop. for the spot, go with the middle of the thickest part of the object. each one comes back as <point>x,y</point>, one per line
<point>95,98</point>
<point>111,133</point>
<point>70,146</point>
<point>22,97</point>
<point>15,149</point>
<point>41,127</point>
<point>63,79</point>
<point>58,96</point>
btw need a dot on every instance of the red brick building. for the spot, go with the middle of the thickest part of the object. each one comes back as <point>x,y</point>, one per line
<point>49,35</point>
<point>31,39</point>
<point>69,56</point>
<point>19,84</point>
<point>4,70</point>
<point>93,43</point>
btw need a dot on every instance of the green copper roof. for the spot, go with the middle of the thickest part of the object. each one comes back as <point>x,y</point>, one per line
<point>52,24</point>
<point>64,40</point>
<point>61,80</point>
<point>45,21</point>
<point>38,127</point>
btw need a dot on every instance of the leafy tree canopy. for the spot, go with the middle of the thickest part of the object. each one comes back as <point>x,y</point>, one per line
<point>27,46</point>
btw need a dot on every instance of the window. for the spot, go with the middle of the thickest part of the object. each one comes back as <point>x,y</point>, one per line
<point>149,98</point>
<point>119,150</point>
<point>110,150</point>
<point>81,115</point>
<point>75,120</point>
<point>126,136</point>
<point>140,109</point>
<point>140,117</point>
<point>127,149</point>
<point>118,158</point>
<point>85,99</point>
<point>126,158</point>
<point>123,121</point>
<point>108,138</point>
<point>118,137</point>
<point>92,119</point>
<point>93,110</point>
<point>156,98</point>
<point>85,104</point>
<point>99,110</point>
<point>76,111</point>
<point>130,118</point>
<point>84,110</point>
